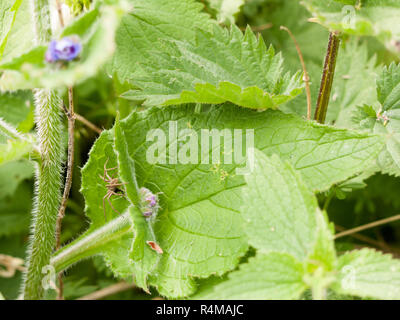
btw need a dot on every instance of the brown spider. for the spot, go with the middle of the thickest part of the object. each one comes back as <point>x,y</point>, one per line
<point>112,185</point>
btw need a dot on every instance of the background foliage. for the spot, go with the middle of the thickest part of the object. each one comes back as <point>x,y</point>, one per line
<point>231,56</point>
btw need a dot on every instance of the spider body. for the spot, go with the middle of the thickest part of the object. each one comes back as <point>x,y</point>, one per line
<point>113,186</point>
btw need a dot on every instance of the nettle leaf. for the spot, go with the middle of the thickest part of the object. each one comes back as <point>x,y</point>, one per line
<point>96,30</point>
<point>199,226</point>
<point>385,118</point>
<point>281,213</point>
<point>274,276</point>
<point>220,66</point>
<point>368,273</point>
<point>354,83</point>
<point>367,18</point>
<point>284,223</point>
<point>151,21</point>
<point>226,9</point>
<point>274,221</point>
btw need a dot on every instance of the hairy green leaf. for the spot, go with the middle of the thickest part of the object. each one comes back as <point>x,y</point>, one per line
<point>151,21</point>
<point>199,227</point>
<point>281,213</point>
<point>220,66</point>
<point>275,276</point>
<point>368,273</point>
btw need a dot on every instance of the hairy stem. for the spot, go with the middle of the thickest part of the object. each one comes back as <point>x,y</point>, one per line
<point>48,172</point>
<point>48,185</point>
<point>70,165</point>
<point>90,243</point>
<point>327,77</point>
<point>68,181</point>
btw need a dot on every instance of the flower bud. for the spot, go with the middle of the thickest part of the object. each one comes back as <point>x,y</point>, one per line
<point>66,49</point>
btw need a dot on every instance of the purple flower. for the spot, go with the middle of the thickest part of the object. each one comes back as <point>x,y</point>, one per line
<point>66,49</point>
<point>148,202</point>
<point>152,200</point>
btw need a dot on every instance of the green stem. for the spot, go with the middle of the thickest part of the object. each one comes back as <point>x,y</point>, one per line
<point>91,243</point>
<point>327,77</point>
<point>48,176</point>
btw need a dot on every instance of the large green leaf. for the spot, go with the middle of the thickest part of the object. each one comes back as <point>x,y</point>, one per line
<point>96,30</point>
<point>384,118</point>
<point>368,273</point>
<point>151,21</point>
<point>283,222</point>
<point>280,212</point>
<point>361,17</point>
<point>274,276</point>
<point>199,226</point>
<point>220,66</point>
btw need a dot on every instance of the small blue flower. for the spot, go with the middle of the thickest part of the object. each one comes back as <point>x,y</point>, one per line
<point>66,49</point>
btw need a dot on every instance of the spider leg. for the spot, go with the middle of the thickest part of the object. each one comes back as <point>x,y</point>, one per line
<point>104,206</point>
<point>122,195</point>
<point>117,184</point>
<point>105,169</point>
<point>109,201</point>
<point>107,175</point>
